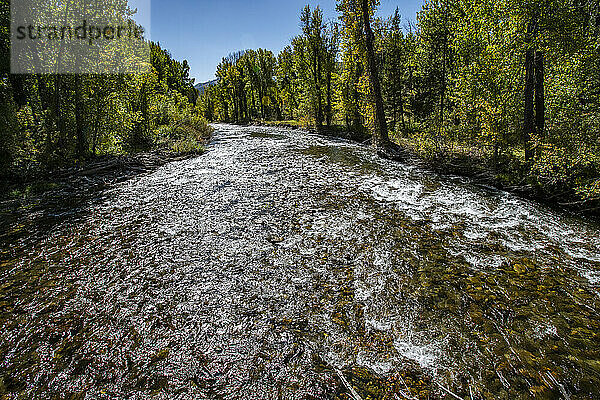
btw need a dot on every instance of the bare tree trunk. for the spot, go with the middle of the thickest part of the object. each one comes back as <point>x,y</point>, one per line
<point>530,78</point>
<point>236,114</point>
<point>443,94</point>
<point>540,107</point>
<point>246,113</point>
<point>260,102</point>
<point>329,112</point>
<point>319,117</point>
<point>528,121</point>
<point>395,111</point>
<point>355,116</point>
<point>444,83</point>
<point>96,127</point>
<point>402,114</point>
<point>79,124</point>
<point>57,110</point>
<point>381,138</point>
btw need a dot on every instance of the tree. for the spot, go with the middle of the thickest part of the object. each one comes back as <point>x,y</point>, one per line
<point>287,81</point>
<point>310,54</point>
<point>381,133</point>
<point>394,77</point>
<point>349,88</point>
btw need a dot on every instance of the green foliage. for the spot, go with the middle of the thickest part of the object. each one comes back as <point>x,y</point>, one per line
<point>352,82</point>
<point>314,58</point>
<point>298,83</point>
<point>48,121</point>
<point>287,83</point>
<point>246,88</point>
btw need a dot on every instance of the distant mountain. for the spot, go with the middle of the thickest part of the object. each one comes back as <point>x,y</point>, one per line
<point>202,86</point>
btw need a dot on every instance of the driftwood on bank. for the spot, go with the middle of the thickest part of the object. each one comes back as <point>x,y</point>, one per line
<point>137,163</point>
<point>95,173</point>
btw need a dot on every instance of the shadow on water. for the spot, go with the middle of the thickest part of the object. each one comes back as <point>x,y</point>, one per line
<point>342,155</point>
<point>40,230</point>
<point>30,212</point>
<point>33,215</point>
<point>267,135</point>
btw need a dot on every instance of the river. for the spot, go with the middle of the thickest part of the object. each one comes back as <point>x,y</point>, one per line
<point>286,265</point>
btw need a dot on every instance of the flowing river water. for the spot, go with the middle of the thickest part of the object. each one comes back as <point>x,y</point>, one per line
<point>285,265</point>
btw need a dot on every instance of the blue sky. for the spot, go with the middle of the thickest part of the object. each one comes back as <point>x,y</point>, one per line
<point>204,31</point>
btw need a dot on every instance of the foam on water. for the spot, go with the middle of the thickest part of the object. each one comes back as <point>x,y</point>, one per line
<point>426,355</point>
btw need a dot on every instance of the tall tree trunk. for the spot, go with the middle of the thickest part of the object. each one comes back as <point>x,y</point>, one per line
<point>356,118</point>
<point>260,102</point>
<point>444,62</point>
<point>329,113</point>
<point>402,113</point>
<point>278,110</point>
<point>236,113</point>
<point>245,101</point>
<point>254,107</point>
<point>57,109</point>
<point>381,138</point>
<point>79,124</point>
<point>528,121</point>
<point>410,93</point>
<point>540,107</point>
<point>225,109</point>
<point>318,88</point>
<point>395,111</point>
<point>96,125</point>
<point>443,94</point>
<point>528,118</point>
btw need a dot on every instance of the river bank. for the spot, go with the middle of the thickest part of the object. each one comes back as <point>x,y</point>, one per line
<point>508,173</point>
<point>94,171</point>
<point>91,174</point>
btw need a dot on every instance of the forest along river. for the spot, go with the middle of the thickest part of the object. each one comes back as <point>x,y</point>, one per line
<point>285,265</point>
